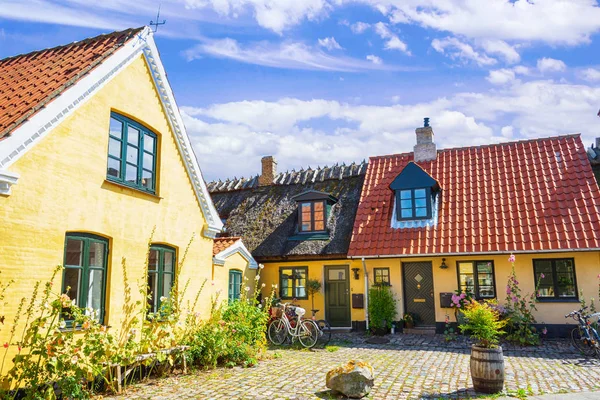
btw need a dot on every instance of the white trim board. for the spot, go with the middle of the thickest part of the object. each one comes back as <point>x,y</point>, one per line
<point>237,247</point>
<point>39,125</point>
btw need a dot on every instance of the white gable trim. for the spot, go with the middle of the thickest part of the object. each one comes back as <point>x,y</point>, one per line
<point>237,247</point>
<point>7,179</point>
<point>28,134</point>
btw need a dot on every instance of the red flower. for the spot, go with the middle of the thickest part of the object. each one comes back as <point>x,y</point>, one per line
<point>6,345</point>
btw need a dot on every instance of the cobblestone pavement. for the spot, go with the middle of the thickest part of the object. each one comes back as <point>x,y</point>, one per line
<point>409,367</point>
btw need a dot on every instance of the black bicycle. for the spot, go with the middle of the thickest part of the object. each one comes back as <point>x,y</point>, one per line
<point>585,337</point>
<point>324,328</point>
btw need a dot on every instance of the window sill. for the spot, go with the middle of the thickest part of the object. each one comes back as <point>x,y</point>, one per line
<point>310,236</point>
<point>557,300</point>
<point>126,189</point>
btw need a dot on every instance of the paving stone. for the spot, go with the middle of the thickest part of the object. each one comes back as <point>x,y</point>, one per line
<point>408,367</point>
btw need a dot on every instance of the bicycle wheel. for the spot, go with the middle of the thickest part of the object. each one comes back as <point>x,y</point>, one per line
<point>309,333</point>
<point>324,332</point>
<point>277,332</point>
<point>580,342</point>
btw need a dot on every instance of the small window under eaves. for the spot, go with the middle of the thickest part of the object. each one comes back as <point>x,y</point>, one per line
<point>414,190</point>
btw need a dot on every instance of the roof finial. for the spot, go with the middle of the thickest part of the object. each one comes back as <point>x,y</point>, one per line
<point>425,122</point>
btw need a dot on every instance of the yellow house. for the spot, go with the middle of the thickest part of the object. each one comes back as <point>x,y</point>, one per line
<point>298,225</point>
<point>234,268</point>
<point>95,164</point>
<point>434,221</point>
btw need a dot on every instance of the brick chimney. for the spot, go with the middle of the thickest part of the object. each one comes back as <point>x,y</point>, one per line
<point>269,170</point>
<point>425,149</point>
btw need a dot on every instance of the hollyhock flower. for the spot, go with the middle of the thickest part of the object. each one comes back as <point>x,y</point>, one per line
<point>463,295</point>
<point>74,360</point>
<point>545,331</point>
<point>542,276</point>
<point>508,291</point>
<point>86,325</point>
<point>263,285</point>
<point>515,299</point>
<point>511,258</point>
<point>261,266</point>
<point>257,277</point>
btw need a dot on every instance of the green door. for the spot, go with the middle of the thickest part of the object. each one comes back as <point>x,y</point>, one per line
<point>337,296</point>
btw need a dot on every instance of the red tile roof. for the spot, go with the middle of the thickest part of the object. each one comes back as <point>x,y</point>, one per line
<point>30,81</point>
<point>221,243</point>
<point>520,196</point>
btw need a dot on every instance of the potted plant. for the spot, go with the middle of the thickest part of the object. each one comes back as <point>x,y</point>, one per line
<point>313,286</point>
<point>483,323</point>
<point>409,321</point>
<point>382,309</point>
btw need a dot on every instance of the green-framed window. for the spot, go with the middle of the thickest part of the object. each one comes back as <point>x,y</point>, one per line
<point>235,284</point>
<point>556,277</point>
<point>292,282</point>
<point>161,274</point>
<point>131,154</point>
<point>381,276</point>
<point>477,277</point>
<point>84,276</point>
<point>312,216</point>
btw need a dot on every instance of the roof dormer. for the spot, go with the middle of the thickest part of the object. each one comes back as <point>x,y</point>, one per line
<point>314,208</point>
<point>415,195</point>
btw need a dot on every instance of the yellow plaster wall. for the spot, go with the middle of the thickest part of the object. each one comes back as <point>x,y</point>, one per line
<point>220,282</point>
<point>63,188</point>
<point>316,270</point>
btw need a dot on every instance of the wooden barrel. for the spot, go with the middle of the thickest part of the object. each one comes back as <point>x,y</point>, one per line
<point>487,369</point>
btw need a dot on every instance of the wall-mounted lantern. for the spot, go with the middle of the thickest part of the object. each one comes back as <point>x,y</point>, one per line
<point>355,270</point>
<point>443,266</point>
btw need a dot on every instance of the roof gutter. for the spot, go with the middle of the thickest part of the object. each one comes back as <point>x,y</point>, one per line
<point>472,254</point>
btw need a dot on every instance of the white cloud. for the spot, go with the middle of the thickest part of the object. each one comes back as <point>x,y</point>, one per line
<point>330,43</point>
<point>289,128</point>
<point>393,42</point>
<point>590,74</point>
<point>572,22</point>
<point>501,76</point>
<point>359,27</point>
<point>551,65</point>
<point>503,49</point>
<point>460,50</point>
<point>291,55</point>
<point>374,59</point>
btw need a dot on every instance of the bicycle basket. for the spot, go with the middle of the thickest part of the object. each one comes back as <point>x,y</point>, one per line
<point>276,312</point>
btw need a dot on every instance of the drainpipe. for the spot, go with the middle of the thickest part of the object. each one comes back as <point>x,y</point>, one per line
<point>366,292</point>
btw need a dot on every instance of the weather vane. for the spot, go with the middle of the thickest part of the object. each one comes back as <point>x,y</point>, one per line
<point>157,23</point>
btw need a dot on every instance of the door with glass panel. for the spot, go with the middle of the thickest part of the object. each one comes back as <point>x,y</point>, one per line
<point>337,296</point>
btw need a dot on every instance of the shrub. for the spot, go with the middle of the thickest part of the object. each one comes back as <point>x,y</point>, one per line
<point>482,322</point>
<point>382,307</point>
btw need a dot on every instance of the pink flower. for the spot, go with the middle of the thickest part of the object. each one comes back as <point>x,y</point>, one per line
<point>515,299</point>
<point>463,295</point>
<point>508,291</point>
<point>542,276</point>
<point>511,258</point>
<point>545,331</point>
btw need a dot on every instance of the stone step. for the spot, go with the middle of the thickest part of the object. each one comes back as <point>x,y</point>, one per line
<point>420,330</point>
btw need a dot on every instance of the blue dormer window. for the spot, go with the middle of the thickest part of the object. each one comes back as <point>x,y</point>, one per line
<point>414,190</point>
<point>413,203</point>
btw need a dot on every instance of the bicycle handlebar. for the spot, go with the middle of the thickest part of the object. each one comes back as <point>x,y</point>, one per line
<point>579,313</point>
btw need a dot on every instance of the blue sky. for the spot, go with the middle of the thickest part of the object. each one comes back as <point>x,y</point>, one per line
<point>316,82</point>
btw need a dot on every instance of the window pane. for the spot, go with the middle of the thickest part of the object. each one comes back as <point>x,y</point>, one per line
<point>485,268</point>
<point>114,147</point>
<point>407,213</point>
<point>148,161</point>
<point>546,284</point>
<point>74,252</point>
<point>465,268</point>
<point>131,173</point>
<point>286,284</point>
<point>152,286</point>
<point>116,128</point>
<point>565,275</point>
<point>153,260</point>
<point>420,212</point>
<point>466,278</point>
<point>337,274</point>
<point>406,203</point>
<point>318,206</point>
<point>486,291</point>
<point>319,226</point>
<point>114,167</point>
<point>405,194</point>
<point>167,284</point>
<point>73,283</point>
<point>149,143</point>
<point>420,202</point>
<point>147,180</point>
<point>132,155</point>
<point>94,299</point>
<point>305,207</point>
<point>168,264</point>
<point>133,135</point>
<point>96,256</point>
<point>420,193</point>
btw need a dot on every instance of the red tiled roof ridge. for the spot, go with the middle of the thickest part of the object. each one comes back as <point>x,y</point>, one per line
<point>76,42</point>
<point>10,123</point>
<point>481,146</point>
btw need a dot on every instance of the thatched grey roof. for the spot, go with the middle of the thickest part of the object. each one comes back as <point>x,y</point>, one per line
<point>266,216</point>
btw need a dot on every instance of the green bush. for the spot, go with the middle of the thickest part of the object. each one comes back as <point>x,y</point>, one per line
<point>482,322</point>
<point>382,307</point>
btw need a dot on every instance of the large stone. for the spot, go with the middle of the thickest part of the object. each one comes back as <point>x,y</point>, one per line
<point>354,380</point>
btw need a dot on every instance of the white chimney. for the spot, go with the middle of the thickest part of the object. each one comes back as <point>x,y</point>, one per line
<point>425,149</point>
